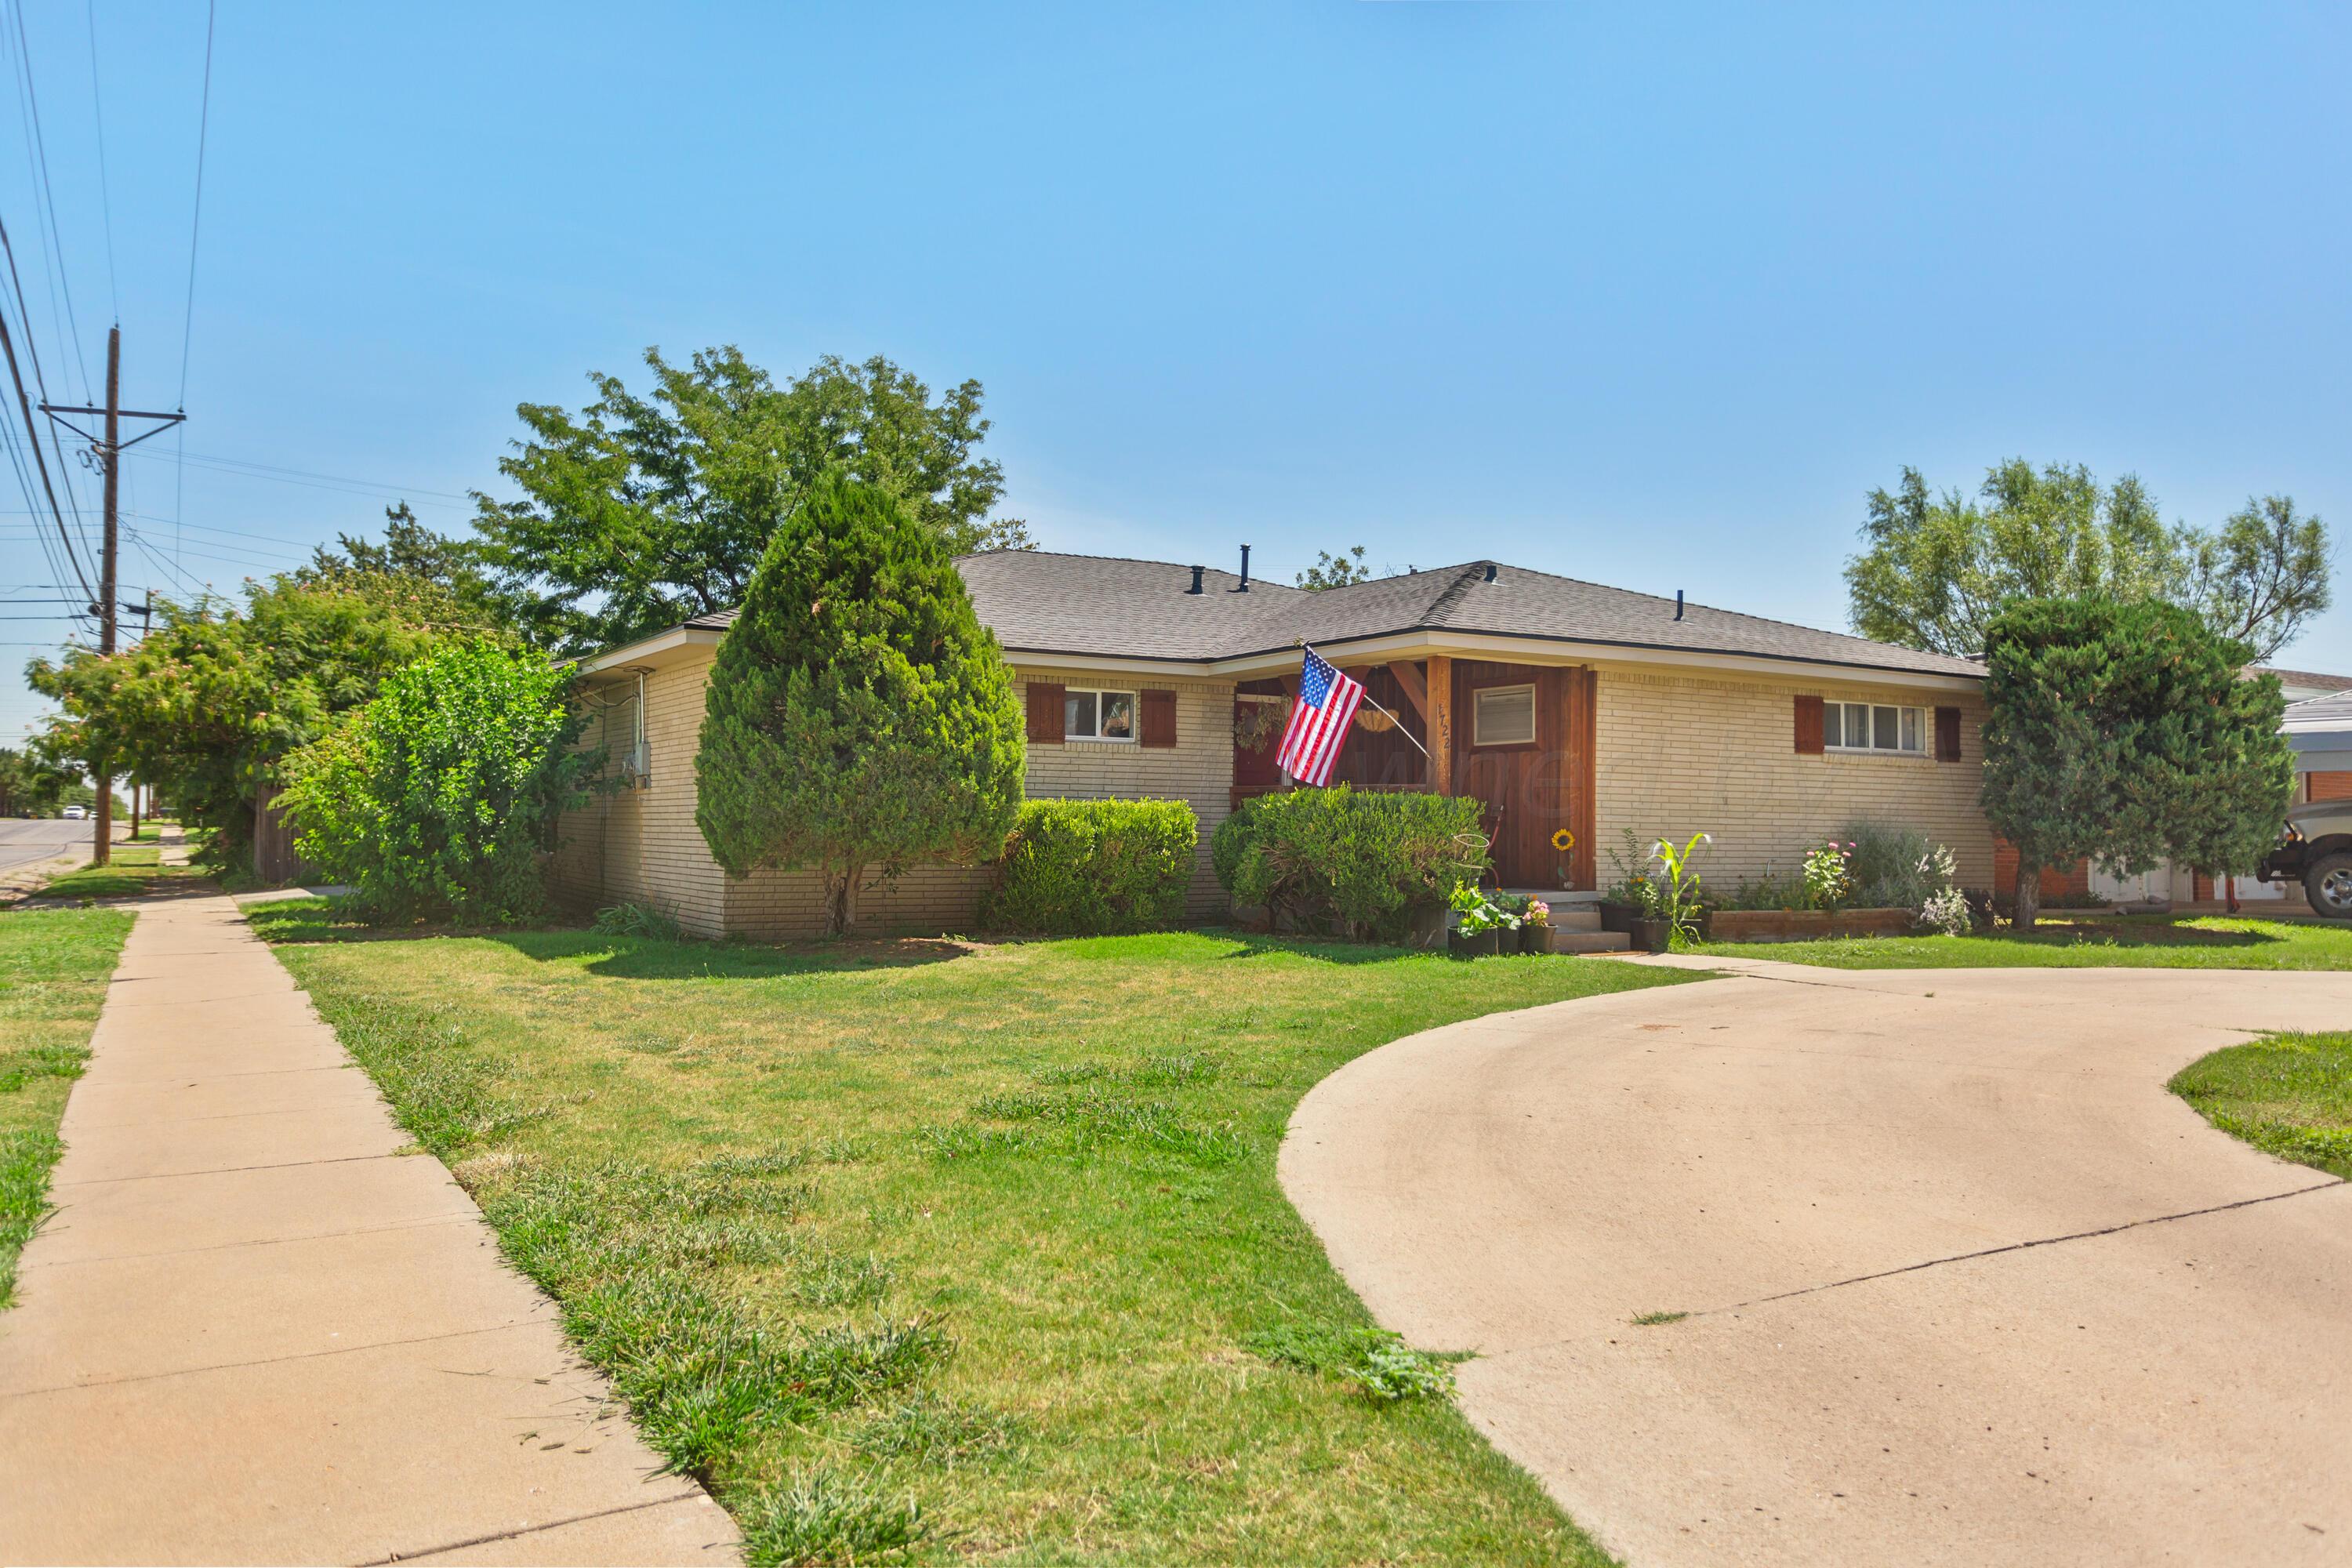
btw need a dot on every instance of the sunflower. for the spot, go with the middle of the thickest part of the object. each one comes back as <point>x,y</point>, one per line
<point>1563,840</point>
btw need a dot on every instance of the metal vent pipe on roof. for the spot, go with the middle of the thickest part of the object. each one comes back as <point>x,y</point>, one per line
<point>1197,571</point>
<point>1244,586</point>
<point>1678,603</point>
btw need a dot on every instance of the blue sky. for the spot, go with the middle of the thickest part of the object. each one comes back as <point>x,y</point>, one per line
<point>1649,300</point>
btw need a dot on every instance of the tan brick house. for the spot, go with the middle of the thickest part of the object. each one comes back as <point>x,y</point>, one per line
<point>1560,704</point>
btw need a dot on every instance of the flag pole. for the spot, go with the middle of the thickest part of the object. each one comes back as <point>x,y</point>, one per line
<point>1368,698</point>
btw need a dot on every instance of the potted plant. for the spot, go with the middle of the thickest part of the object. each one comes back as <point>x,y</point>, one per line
<point>1535,927</point>
<point>1479,923</point>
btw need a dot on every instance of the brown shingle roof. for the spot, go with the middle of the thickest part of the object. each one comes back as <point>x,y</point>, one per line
<point>1039,602</point>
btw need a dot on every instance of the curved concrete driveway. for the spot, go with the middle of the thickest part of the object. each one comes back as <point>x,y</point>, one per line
<point>1966,1284</point>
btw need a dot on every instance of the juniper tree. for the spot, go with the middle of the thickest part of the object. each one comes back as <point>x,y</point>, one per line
<point>860,720</point>
<point>2128,733</point>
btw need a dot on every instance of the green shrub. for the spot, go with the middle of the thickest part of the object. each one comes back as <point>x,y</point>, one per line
<point>1369,863</point>
<point>1095,867</point>
<point>649,920</point>
<point>435,797</point>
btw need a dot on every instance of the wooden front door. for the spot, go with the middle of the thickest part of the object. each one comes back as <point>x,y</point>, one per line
<point>1523,746</point>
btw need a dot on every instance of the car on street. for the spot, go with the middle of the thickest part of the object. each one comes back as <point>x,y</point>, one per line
<point>76,813</point>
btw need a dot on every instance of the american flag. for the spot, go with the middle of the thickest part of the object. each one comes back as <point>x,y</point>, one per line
<point>1318,720</point>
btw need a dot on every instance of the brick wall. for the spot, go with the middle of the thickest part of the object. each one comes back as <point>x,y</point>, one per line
<point>2327,784</point>
<point>1199,768</point>
<point>2058,883</point>
<point>642,845</point>
<point>1683,753</point>
<point>1678,754</point>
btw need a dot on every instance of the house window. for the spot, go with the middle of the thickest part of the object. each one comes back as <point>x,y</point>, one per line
<point>1874,727</point>
<point>1505,716</point>
<point>1099,715</point>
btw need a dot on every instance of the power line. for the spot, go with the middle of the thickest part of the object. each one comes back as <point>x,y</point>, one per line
<point>244,469</point>
<point>196,218</point>
<point>105,200</point>
<point>50,196</point>
<point>33,435</point>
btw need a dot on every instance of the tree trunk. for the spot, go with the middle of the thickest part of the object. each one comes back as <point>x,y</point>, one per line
<point>2028,893</point>
<point>841,899</point>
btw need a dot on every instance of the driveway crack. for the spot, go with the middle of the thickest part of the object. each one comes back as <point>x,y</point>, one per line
<point>2022,1246</point>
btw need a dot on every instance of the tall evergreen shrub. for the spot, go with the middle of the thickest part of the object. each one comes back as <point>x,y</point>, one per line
<point>860,720</point>
<point>2130,733</point>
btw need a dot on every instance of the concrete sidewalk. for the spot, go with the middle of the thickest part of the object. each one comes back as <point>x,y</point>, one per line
<point>255,1331</point>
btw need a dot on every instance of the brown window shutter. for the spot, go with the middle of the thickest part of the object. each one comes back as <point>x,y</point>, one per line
<point>1158,719</point>
<point>1045,713</point>
<point>1948,735</point>
<point>1809,726</point>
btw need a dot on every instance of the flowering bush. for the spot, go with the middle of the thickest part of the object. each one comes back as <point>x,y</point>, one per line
<point>1947,911</point>
<point>1829,875</point>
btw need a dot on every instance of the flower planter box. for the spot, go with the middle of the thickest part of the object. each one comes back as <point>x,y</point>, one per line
<point>1534,937</point>
<point>1619,916</point>
<point>1805,925</point>
<point>1479,944</point>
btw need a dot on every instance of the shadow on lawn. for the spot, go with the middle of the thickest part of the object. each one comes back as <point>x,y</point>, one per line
<point>301,920</point>
<point>2141,931</point>
<point>648,958</point>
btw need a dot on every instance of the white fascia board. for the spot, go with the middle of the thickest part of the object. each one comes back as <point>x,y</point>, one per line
<point>663,648</point>
<point>1555,651</point>
<point>1189,669</point>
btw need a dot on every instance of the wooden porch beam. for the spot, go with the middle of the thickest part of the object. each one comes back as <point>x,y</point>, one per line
<point>1439,720</point>
<point>1416,689</point>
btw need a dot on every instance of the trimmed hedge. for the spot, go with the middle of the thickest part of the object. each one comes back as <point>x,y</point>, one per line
<point>1095,867</point>
<point>1369,863</point>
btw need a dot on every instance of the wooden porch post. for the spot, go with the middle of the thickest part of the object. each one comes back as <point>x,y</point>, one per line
<point>1441,723</point>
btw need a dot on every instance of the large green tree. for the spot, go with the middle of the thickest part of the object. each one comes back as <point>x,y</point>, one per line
<point>210,702</point>
<point>2126,731</point>
<point>31,784</point>
<point>643,510</point>
<point>860,718</point>
<point>1936,570</point>
<point>443,581</point>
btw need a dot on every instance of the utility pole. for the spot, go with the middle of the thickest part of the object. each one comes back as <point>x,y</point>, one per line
<point>109,447</point>
<point>111,451</point>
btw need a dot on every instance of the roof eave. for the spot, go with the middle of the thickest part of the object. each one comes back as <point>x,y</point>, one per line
<point>1422,640</point>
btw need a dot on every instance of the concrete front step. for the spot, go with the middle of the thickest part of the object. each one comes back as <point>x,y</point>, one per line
<point>1594,941</point>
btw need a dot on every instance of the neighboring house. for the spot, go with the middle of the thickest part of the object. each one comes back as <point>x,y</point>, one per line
<point>1560,704</point>
<point>2303,684</point>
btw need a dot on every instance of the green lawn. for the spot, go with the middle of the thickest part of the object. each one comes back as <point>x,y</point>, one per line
<point>2289,1094</point>
<point>2147,942</point>
<point>53,969</point>
<point>135,870</point>
<point>979,1252</point>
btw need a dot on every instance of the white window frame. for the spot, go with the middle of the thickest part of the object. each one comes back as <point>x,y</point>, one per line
<point>1134,710</point>
<point>1478,714</point>
<point>1839,705</point>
